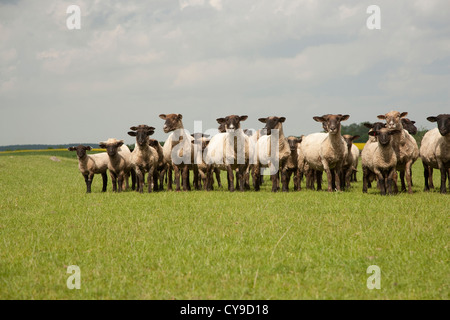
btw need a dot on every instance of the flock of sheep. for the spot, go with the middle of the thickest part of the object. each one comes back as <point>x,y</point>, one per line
<point>243,153</point>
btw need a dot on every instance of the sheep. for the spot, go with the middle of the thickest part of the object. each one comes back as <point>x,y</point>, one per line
<point>409,126</point>
<point>327,151</point>
<point>435,150</point>
<point>292,162</point>
<point>180,148</point>
<point>380,159</point>
<point>161,167</point>
<point>144,158</point>
<point>119,164</point>
<point>265,155</point>
<point>201,171</point>
<point>405,147</point>
<point>229,151</point>
<point>351,162</point>
<point>91,164</point>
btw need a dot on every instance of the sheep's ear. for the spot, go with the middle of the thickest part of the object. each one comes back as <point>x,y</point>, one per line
<point>355,137</point>
<point>102,145</point>
<point>180,116</point>
<point>319,119</point>
<point>282,119</point>
<point>243,118</point>
<point>413,122</point>
<point>220,120</point>
<point>119,143</point>
<point>299,140</point>
<point>373,133</point>
<point>368,125</point>
<point>207,142</point>
<point>71,148</point>
<point>88,148</point>
<point>432,119</point>
<point>381,117</point>
<point>162,116</point>
<point>132,133</point>
<point>134,128</point>
<point>403,114</point>
<point>150,132</point>
<point>345,117</point>
<point>263,120</point>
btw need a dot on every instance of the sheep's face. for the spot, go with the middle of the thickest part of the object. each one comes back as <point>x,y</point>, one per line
<point>409,126</point>
<point>393,119</point>
<point>349,140</point>
<point>443,123</point>
<point>272,123</point>
<point>332,122</point>
<point>384,135</point>
<point>141,133</point>
<point>231,123</point>
<point>173,122</point>
<point>375,126</point>
<point>293,143</point>
<point>112,147</point>
<point>81,150</point>
<point>222,127</point>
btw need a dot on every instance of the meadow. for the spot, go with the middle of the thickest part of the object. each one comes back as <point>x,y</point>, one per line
<point>214,245</point>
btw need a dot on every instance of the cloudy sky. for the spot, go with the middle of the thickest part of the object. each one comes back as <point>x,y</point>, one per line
<point>205,59</point>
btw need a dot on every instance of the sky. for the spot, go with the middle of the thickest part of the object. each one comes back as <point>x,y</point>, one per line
<point>133,60</point>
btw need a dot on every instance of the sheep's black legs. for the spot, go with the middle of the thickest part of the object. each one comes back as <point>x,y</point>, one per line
<point>105,181</point>
<point>443,179</point>
<point>230,178</point>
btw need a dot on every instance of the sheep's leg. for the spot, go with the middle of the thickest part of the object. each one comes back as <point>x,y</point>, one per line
<point>426,173</point>
<point>402,179</point>
<point>185,176</point>
<point>443,177</point>
<point>365,179</point>
<point>381,182</point>
<point>105,181</point>
<point>113,181</point>
<point>170,178</point>
<point>86,180</point>
<point>209,178</point>
<point>230,178</point>
<point>120,182</point>
<point>390,180</point>
<point>150,181</point>
<point>217,172</point>
<point>255,177</point>
<point>285,180</point>
<point>318,178</point>
<point>162,173</point>
<point>430,178</point>
<point>407,173</point>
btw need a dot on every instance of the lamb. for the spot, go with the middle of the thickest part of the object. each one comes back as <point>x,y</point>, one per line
<point>119,164</point>
<point>435,150</point>
<point>144,158</point>
<point>180,148</point>
<point>351,162</point>
<point>91,164</point>
<point>327,151</point>
<point>405,147</point>
<point>380,159</point>
<point>229,151</point>
<point>265,156</point>
<point>161,167</point>
<point>292,162</point>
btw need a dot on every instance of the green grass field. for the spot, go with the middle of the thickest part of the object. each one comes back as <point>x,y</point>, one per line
<point>214,245</point>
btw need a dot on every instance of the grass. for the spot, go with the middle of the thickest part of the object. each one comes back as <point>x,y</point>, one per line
<point>214,245</point>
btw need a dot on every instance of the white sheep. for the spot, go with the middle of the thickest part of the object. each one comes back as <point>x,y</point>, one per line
<point>91,164</point>
<point>275,159</point>
<point>144,158</point>
<point>405,147</point>
<point>229,151</point>
<point>435,150</point>
<point>380,159</point>
<point>119,164</point>
<point>327,151</point>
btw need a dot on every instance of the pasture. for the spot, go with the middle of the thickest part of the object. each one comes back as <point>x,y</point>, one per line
<point>214,245</point>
